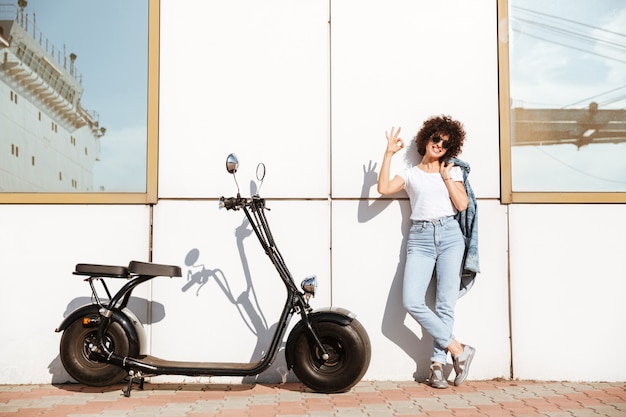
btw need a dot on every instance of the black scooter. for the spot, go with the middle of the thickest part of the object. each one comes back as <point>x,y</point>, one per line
<point>328,349</point>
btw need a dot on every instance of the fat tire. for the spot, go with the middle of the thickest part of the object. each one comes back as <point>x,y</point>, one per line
<point>86,368</point>
<point>349,349</point>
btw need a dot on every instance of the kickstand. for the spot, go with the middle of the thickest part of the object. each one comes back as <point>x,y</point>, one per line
<point>133,378</point>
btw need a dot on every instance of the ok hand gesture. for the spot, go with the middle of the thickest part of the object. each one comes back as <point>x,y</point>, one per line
<point>394,142</point>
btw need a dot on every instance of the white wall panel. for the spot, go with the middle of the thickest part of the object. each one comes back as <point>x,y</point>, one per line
<point>230,297</point>
<point>40,246</point>
<point>368,261</point>
<point>369,240</point>
<point>399,62</point>
<point>482,315</point>
<point>568,285</point>
<point>247,77</point>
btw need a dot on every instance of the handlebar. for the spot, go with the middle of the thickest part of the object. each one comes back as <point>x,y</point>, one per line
<point>236,203</point>
<point>231,203</point>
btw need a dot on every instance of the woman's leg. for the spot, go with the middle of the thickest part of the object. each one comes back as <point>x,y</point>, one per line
<point>420,262</point>
<point>451,247</point>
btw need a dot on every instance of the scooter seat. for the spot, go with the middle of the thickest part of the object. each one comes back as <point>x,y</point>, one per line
<point>154,270</point>
<point>109,271</point>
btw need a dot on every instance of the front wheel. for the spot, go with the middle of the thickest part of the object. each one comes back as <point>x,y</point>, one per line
<point>349,352</point>
<point>83,364</point>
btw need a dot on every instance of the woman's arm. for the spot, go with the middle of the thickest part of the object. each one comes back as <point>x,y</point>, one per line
<point>456,190</point>
<point>386,185</point>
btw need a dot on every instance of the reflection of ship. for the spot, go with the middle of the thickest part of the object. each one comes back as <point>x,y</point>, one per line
<point>582,127</point>
<point>48,141</point>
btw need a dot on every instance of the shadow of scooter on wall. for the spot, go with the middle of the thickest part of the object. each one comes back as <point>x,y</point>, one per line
<point>247,303</point>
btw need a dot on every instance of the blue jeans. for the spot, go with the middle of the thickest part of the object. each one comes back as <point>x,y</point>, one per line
<point>435,245</point>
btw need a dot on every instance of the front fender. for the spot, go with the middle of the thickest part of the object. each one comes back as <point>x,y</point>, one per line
<point>336,315</point>
<point>125,318</point>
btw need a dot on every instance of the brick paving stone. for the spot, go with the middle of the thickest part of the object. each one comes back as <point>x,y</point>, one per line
<point>464,412</point>
<point>268,409</point>
<point>203,414</point>
<point>376,409</point>
<point>92,408</point>
<point>403,403</point>
<point>608,394</point>
<point>463,389</point>
<point>525,391</point>
<point>206,407</point>
<point>454,401</point>
<point>366,386</point>
<point>584,398</point>
<point>477,398</point>
<point>288,396</point>
<point>446,413</point>
<point>371,398</point>
<point>419,392</point>
<point>582,413</point>
<point>263,399</point>
<point>343,401</point>
<point>385,385</point>
<point>396,395</point>
<point>562,389</point>
<point>518,408</point>
<point>431,404</point>
<point>407,412</point>
<point>544,405</point>
<point>6,409</point>
<point>321,414</point>
<point>165,411</point>
<point>18,403</point>
<point>74,414</point>
<point>565,403</point>
<point>578,386</point>
<point>232,413</point>
<point>500,396</point>
<point>290,408</point>
<point>493,410</point>
<point>33,413</point>
<point>282,415</point>
<point>557,413</point>
<point>351,412</point>
<point>490,385</point>
<point>609,411</point>
<point>235,402</point>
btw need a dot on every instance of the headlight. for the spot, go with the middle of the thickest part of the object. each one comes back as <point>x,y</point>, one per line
<point>309,285</point>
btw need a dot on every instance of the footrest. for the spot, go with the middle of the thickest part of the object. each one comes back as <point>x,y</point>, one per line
<point>109,271</point>
<point>154,270</point>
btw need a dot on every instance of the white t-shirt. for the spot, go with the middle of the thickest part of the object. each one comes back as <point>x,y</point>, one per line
<point>428,193</point>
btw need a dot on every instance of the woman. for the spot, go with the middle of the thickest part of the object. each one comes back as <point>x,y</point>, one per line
<point>436,193</point>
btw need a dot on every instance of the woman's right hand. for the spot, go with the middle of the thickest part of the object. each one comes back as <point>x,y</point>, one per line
<point>394,142</point>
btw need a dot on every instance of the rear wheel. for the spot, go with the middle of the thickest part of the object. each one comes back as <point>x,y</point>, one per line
<point>83,364</point>
<point>349,353</point>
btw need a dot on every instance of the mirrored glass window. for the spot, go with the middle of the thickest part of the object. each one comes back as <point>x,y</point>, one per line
<point>567,66</point>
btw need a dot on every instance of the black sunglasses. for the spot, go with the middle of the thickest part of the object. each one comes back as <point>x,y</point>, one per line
<point>444,143</point>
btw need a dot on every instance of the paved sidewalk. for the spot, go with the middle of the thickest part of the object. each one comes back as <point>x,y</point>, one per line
<point>368,398</point>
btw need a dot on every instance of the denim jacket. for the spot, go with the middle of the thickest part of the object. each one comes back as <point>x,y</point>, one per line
<point>468,220</point>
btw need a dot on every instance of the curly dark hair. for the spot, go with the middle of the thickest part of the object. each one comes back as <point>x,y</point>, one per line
<point>442,125</point>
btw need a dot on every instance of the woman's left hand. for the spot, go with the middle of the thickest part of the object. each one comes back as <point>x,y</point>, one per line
<point>456,189</point>
<point>444,169</point>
